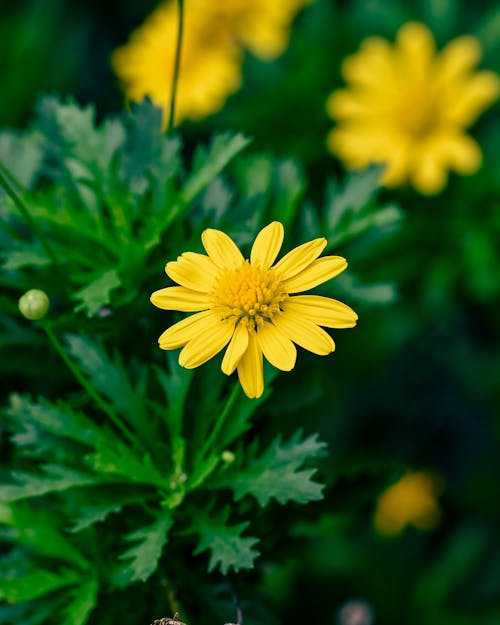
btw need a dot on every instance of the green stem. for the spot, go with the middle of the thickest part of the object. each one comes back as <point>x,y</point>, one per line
<point>23,209</point>
<point>103,405</point>
<point>175,77</point>
<point>221,420</point>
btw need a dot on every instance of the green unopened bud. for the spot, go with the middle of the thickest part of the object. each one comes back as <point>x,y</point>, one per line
<point>228,456</point>
<point>34,304</point>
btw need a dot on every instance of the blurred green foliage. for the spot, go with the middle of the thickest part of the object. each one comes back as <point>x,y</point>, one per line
<point>416,384</point>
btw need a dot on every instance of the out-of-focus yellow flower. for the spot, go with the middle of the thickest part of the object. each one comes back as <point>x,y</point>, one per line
<point>408,106</point>
<point>262,26</point>
<point>210,70</point>
<point>215,35</point>
<point>411,501</point>
<point>251,306</point>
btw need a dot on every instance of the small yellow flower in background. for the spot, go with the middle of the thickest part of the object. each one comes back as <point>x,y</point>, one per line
<point>215,34</point>
<point>411,501</point>
<point>250,305</point>
<point>210,70</point>
<point>408,106</point>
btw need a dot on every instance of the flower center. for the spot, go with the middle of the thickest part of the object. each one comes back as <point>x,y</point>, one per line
<point>250,294</point>
<point>418,113</point>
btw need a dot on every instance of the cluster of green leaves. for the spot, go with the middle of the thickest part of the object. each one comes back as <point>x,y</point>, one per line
<point>167,462</point>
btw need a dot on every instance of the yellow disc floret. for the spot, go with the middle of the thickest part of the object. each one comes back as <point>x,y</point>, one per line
<point>249,293</point>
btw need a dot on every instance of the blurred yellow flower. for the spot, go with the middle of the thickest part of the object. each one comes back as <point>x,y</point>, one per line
<point>250,306</point>
<point>411,501</point>
<point>215,34</point>
<point>408,106</point>
<point>210,70</point>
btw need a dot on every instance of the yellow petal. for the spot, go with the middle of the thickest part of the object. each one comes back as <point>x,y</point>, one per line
<point>179,298</point>
<point>305,333</point>
<point>323,311</point>
<point>416,50</point>
<point>472,97</point>
<point>397,163</point>
<point>318,272</point>
<point>222,249</point>
<point>276,347</point>
<point>194,271</point>
<point>183,331</point>
<point>429,173</point>
<point>457,151</point>
<point>458,58</point>
<point>267,245</point>
<point>235,349</point>
<point>346,103</point>
<point>206,344</point>
<point>299,258</point>
<point>373,65</point>
<point>251,370</point>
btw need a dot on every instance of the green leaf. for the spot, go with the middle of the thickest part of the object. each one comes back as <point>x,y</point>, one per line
<point>45,538</point>
<point>142,559</point>
<point>22,155</point>
<point>277,473</point>
<point>383,219</point>
<point>54,478</point>
<point>98,506</point>
<point>209,163</point>
<point>118,459</point>
<point>290,187</point>
<point>379,293</point>
<point>16,259</point>
<point>356,194</point>
<point>228,549</point>
<point>97,293</point>
<point>143,144</point>
<point>241,414</point>
<point>109,377</point>
<point>216,200</point>
<point>59,420</point>
<point>36,582</point>
<point>70,130</point>
<point>175,385</point>
<point>80,601</point>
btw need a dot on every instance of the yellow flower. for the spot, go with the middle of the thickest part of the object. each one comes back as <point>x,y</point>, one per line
<point>215,34</point>
<point>258,25</point>
<point>408,106</point>
<point>210,70</point>
<point>250,306</point>
<point>411,501</point>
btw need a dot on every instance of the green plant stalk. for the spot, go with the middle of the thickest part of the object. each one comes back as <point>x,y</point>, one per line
<point>23,209</point>
<point>220,421</point>
<point>177,62</point>
<point>205,467</point>
<point>103,405</point>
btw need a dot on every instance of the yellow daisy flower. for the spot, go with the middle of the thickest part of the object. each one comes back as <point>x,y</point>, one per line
<point>209,72</point>
<point>410,501</point>
<point>408,106</point>
<point>250,305</point>
<point>258,25</point>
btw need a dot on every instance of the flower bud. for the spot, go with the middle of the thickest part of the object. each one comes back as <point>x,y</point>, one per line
<point>228,456</point>
<point>34,304</point>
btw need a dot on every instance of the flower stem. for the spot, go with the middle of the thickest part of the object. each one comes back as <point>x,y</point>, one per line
<point>23,209</point>
<point>177,62</point>
<point>103,405</point>
<point>221,420</point>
